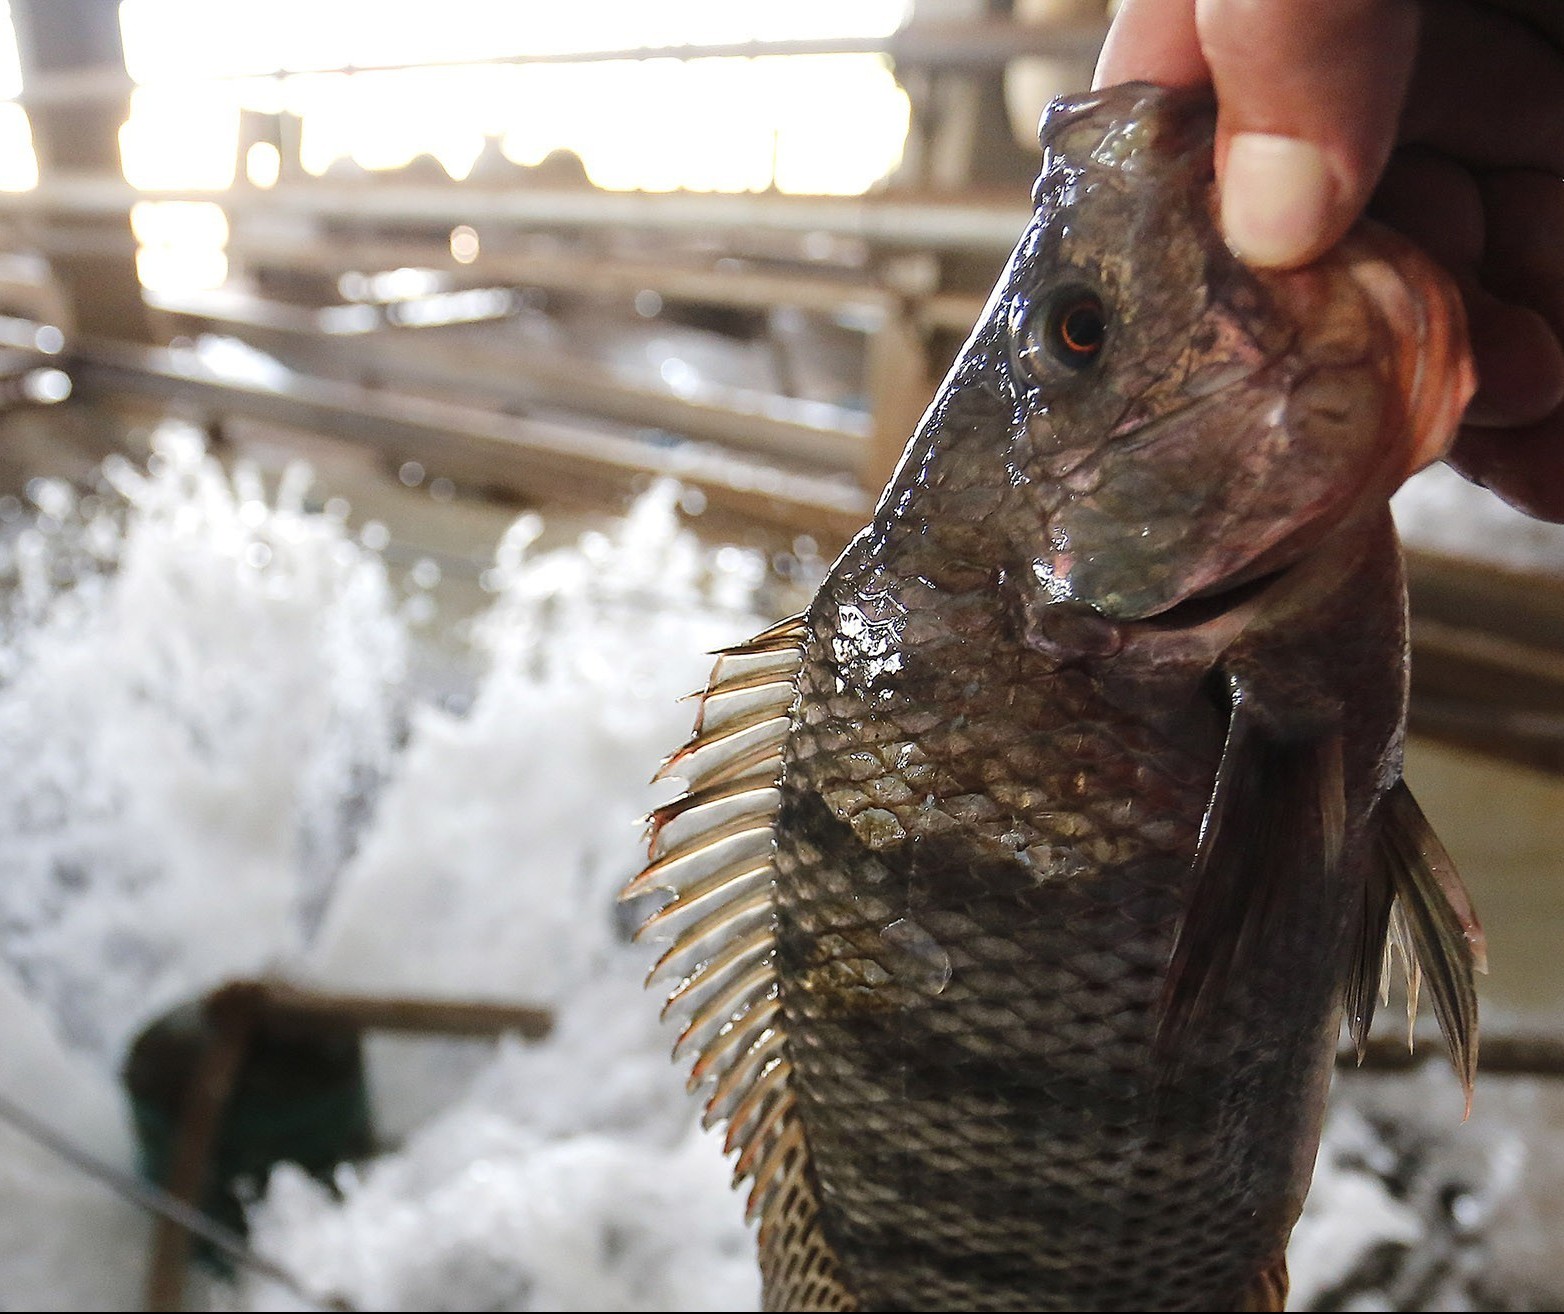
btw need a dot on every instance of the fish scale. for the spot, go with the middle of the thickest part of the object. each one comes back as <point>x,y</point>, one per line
<point>1013,1039</point>
<point>1025,879</point>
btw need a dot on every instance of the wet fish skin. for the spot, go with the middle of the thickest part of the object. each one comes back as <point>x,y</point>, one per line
<point>1010,1141</point>
<point>1087,817</point>
<point>982,752</point>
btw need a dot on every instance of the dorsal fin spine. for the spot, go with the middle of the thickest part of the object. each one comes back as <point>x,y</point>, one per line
<point>705,980</point>
<point>725,1006</point>
<point>715,848</point>
<point>728,1045</point>
<point>740,1075</point>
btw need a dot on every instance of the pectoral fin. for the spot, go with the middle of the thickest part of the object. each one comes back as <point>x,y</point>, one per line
<point>1273,831</point>
<point>1436,913</point>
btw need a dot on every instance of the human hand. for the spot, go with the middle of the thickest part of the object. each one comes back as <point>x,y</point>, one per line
<point>1445,119</point>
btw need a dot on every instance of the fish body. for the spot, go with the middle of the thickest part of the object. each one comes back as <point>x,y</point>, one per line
<point>1024,880</point>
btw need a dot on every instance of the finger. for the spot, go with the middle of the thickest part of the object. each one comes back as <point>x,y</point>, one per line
<point>1309,99</point>
<point>1523,255</point>
<point>1436,202</point>
<point>1515,442</point>
<point>1520,346</point>
<point>1152,41</point>
<point>1525,467</point>
<point>1497,235</point>
<point>1520,365</point>
<point>1486,89</point>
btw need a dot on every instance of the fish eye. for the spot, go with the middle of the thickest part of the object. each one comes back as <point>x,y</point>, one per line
<point>1068,329</point>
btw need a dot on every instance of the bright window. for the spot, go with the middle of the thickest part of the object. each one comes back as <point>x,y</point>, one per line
<point>826,124</point>
<point>18,163</point>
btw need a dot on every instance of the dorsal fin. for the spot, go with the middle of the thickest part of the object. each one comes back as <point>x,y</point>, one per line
<point>713,848</point>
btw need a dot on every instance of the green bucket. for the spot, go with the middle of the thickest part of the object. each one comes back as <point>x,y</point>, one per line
<point>300,1097</point>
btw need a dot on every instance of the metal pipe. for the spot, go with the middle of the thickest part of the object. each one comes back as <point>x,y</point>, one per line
<point>976,45</point>
<point>158,1202</point>
<point>889,219</point>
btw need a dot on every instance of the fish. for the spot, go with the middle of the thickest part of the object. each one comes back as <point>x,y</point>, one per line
<point>1023,882</point>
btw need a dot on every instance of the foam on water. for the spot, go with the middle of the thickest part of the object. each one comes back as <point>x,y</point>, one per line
<point>212,764</point>
<point>553,1177</point>
<point>186,740</point>
<point>64,1242</point>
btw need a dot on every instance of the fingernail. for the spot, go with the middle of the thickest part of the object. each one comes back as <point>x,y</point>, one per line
<point>1276,195</point>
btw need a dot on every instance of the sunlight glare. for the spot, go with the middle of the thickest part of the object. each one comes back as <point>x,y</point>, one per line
<point>814,153</point>
<point>182,244</point>
<point>832,124</point>
<point>180,138</point>
<point>263,164</point>
<point>18,162</point>
<point>18,159</point>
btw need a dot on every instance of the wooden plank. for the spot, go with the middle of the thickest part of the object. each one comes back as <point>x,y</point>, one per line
<point>1526,606</point>
<point>1488,658</point>
<point>973,223</point>
<point>604,274</point>
<point>574,463</point>
<point>450,1017</point>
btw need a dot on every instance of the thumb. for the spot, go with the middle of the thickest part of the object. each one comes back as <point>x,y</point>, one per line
<point>1309,96</point>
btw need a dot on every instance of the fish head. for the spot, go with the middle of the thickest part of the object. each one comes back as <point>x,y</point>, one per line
<point>1157,422</point>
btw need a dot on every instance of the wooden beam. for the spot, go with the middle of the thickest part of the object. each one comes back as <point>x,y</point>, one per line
<point>979,223</point>
<point>312,341</point>
<point>1488,658</point>
<point>94,254</point>
<point>575,464</point>
<point>448,1017</point>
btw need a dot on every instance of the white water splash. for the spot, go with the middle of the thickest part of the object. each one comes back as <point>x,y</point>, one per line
<point>185,741</point>
<point>212,764</point>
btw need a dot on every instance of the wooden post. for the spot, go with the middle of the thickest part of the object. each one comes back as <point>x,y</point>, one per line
<point>899,389</point>
<point>94,258</point>
<point>232,1013</point>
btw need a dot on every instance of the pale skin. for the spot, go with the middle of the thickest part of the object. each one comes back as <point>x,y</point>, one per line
<point>1442,118</point>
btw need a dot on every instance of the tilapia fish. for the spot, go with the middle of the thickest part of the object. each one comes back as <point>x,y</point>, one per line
<point>1023,882</point>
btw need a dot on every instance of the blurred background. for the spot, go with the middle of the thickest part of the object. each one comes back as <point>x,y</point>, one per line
<point>397,399</point>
